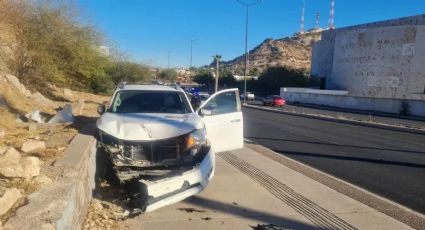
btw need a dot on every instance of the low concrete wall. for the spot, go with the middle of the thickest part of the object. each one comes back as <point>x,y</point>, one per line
<point>338,99</point>
<point>63,204</point>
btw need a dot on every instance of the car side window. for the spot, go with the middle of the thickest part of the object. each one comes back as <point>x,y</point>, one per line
<point>221,104</point>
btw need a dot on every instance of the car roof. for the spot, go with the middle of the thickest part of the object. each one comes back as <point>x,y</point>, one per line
<point>148,87</point>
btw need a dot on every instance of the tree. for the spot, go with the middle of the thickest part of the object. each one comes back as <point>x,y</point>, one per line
<point>204,78</point>
<point>275,77</point>
<point>168,74</point>
<point>130,72</point>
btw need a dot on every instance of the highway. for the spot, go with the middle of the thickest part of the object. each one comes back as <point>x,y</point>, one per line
<point>388,163</point>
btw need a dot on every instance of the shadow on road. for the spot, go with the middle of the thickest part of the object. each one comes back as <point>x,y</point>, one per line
<point>337,145</point>
<point>346,158</point>
<point>248,213</point>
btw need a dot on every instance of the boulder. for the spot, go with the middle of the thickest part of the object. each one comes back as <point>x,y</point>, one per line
<point>68,95</point>
<point>14,81</point>
<point>12,165</point>
<point>39,98</point>
<point>33,146</point>
<point>8,198</point>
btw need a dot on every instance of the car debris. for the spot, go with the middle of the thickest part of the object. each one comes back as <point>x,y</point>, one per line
<point>35,116</point>
<point>63,116</point>
<point>269,227</point>
<point>191,210</point>
<point>153,136</point>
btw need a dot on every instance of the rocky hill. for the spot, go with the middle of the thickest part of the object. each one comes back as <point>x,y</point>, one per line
<point>292,52</point>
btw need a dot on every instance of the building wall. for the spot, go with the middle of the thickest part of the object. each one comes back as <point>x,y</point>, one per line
<point>378,60</point>
<point>340,99</point>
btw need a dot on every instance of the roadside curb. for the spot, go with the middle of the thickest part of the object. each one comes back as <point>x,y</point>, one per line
<point>62,205</point>
<point>381,204</point>
<point>333,119</point>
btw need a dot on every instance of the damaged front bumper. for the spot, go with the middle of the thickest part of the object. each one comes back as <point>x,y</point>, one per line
<point>166,191</point>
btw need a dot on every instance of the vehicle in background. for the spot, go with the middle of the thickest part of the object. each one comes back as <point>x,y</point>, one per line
<point>249,96</point>
<point>204,96</point>
<point>273,100</point>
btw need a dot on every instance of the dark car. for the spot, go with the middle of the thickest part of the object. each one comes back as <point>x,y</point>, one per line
<point>274,100</point>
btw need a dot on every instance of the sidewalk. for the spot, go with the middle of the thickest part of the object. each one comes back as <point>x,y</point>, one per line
<point>250,189</point>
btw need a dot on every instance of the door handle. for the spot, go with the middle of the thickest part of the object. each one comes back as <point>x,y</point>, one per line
<point>235,120</point>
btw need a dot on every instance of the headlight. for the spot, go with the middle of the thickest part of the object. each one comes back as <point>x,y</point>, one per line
<point>195,140</point>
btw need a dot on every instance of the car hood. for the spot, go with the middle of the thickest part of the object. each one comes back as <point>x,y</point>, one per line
<point>148,126</point>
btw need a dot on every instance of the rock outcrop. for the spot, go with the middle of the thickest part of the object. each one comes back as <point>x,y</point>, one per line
<point>291,52</point>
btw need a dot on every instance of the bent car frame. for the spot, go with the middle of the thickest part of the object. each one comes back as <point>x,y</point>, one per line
<point>153,135</point>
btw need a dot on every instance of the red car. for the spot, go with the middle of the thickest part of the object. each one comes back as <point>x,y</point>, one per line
<point>274,100</point>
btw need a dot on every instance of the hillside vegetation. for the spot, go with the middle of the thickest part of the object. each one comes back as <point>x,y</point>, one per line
<point>44,42</point>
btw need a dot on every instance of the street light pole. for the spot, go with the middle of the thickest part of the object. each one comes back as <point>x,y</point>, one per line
<point>247,5</point>
<point>168,60</point>
<point>191,49</point>
<point>217,62</point>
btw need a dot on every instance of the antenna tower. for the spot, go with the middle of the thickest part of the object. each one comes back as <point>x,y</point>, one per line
<point>331,25</point>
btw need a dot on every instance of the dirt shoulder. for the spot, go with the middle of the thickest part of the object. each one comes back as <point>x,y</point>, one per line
<point>29,145</point>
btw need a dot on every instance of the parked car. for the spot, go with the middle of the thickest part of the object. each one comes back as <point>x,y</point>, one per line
<point>249,96</point>
<point>153,135</point>
<point>273,100</point>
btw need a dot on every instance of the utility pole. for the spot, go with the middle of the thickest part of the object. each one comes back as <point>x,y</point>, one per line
<point>217,69</point>
<point>168,59</point>
<point>247,5</point>
<point>302,29</point>
<point>317,20</point>
<point>191,49</point>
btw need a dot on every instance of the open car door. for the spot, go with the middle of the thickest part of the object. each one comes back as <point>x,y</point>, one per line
<point>223,120</point>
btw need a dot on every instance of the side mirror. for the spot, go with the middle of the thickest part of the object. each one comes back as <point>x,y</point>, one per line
<point>101,109</point>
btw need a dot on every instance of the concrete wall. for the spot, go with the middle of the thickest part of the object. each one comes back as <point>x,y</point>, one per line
<point>379,60</point>
<point>338,99</point>
<point>62,205</point>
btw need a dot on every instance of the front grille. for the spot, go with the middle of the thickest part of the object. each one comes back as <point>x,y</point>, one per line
<point>161,151</point>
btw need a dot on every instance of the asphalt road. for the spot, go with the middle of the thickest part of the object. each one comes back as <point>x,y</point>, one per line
<point>387,163</point>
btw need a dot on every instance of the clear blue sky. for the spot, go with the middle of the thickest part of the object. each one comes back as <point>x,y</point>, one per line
<point>148,29</point>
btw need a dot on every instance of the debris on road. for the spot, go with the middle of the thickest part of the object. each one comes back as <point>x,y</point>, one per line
<point>268,227</point>
<point>105,215</point>
<point>191,210</point>
<point>206,218</point>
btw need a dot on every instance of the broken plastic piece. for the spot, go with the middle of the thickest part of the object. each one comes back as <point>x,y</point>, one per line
<point>35,116</point>
<point>63,116</point>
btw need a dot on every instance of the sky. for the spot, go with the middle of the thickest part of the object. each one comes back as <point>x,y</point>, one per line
<point>147,30</point>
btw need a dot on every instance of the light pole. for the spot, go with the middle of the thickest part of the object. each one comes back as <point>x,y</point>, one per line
<point>168,59</point>
<point>247,5</point>
<point>217,62</point>
<point>191,48</point>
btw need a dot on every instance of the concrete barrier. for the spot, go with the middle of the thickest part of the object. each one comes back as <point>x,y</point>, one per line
<point>339,99</point>
<point>63,204</point>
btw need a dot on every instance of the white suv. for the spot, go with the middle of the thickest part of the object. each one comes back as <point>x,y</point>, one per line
<point>153,135</point>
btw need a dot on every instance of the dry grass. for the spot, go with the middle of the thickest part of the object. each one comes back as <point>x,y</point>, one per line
<point>27,186</point>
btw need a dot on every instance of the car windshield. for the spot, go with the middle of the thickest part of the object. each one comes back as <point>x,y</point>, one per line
<point>138,101</point>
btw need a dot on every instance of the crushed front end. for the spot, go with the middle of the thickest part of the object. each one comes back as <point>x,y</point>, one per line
<point>168,170</point>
